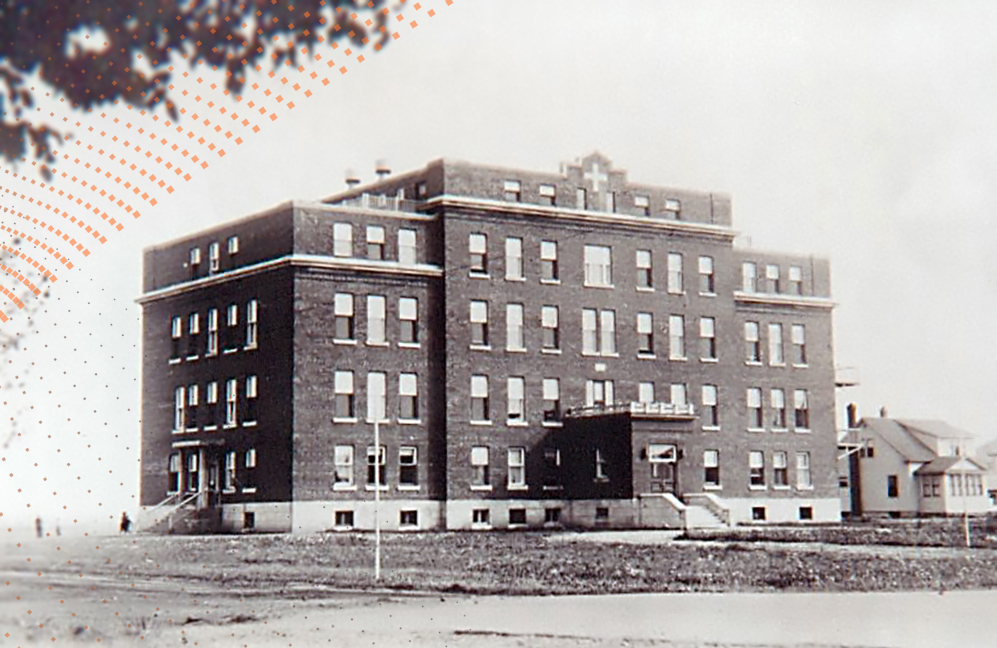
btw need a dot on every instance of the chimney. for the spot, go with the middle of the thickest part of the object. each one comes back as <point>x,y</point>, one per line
<point>382,169</point>
<point>351,178</point>
<point>882,412</point>
<point>852,416</point>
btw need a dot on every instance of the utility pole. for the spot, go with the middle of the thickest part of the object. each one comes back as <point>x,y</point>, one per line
<point>377,498</point>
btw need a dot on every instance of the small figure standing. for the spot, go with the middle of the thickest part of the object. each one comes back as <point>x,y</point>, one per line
<point>38,526</point>
<point>126,523</point>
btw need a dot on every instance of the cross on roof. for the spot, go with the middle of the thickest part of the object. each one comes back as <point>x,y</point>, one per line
<point>596,177</point>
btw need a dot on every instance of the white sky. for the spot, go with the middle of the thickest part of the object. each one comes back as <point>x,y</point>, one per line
<point>859,131</point>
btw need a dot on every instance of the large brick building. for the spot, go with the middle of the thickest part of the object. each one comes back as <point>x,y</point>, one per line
<point>541,348</point>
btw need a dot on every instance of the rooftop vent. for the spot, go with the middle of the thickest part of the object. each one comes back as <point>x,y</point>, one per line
<point>352,179</point>
<point>382,169</point>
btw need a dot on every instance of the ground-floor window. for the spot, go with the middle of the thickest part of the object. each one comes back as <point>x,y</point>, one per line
<point>602,514</point>
<point>552,515</point>
<point>344,519</point>
<point>806,513</point>
<point>248,520</point>
<point>517,516</point>
<point>480,517</point>
<point>174,481</point>
<point>758,513</point>
<point>408,518</point>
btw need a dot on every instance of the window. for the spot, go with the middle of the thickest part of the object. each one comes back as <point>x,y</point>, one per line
<point>211,400</point>
<point>549,326</point>
<point>517,468</point>
<point>601,466</point>
<point>342,240</point>
<point>514,259</point>
<point>408,396</point>
<point>195,258</point>
<point>711,411</point>
<point>803,479</point>
<point>345,407</point>
<point>252,315</point>
<point>480,412</point>
<point>778,401</point>
<point>749,277</point>
<point>343,311</point>
<point>806,512</point>
<point>480,518</point>
<point>753,345</point>
<point>772,278</point>
<point>675,280</point>
<point>479,323</point>
<point>711,468</point>
<point>212,348</point>
<point>795,280</point>
<point>514,327</point>
<point>479,466</point>
<point>610,198</point>
<point>408,518</point>
<point>251,458</point>
<point>375,242</point>
<point>754,399</point>
<point>607,332</point>
<point>645,392</point>
<point>342,476</point>
<point>780,471</point>
<point>233,245</point>
<point>598,266</point>
<point>174,470</point>
<point>516,388</point>
<point>756,467</point>
<point>376,459</point>
<point>511,190</point>
<point>408,466</point>
<point>601,514</point>
<point>551,469</point>
<point>231,328</point>
<point>590,335</point>
<point>801,412</point>
<point>179,409</point>
<point>249,417</point>
<point>643,205</point>
<point>645,334</point>
<point>517,517</point>
<point>645,278</point>
<point>870,449</point>
<point>408,319</point>
<point>673,208</point>
<point>376,316</point>
<point>407,252</point>
<point>377,395</point>
<point>231,401</point>
<point>214,257</point>
<point>598,332</point>
<point>229,484</point>
<point>477,245</point>
<point>344,519</point>
<point>799,338</point>
<point>194,331</point>
<point>758,513</point>
<point>678,395</point>
<point>548,194</point>
<point>676,337</point>
<point>176,334</point>
<point>775,344</point>
<point>598,393</point>
<point>421,190</point>
<point>581,198</point>
<point>551,400</point>
<point>548,261</point>
<point>193,477</point>
<point>707,282</point>
<point>707,338</point>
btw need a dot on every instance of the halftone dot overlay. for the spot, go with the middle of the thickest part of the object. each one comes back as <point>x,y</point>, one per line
<point>100,184</point>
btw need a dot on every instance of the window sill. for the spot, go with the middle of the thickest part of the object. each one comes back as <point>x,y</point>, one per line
<point>646,356</point>
<point>377,344</point>
<point>712,487</point>
<point>481,526</point>
<point>409,345</point>
<point>810,488</point>
<point>384,421</point>
<point>229,351</point>
<point>371,488</point>
<point>478,275</point>
<point>174,361</point>
<point>756,429</point>
<point>249,424</point>
<point>601,480</point>
<point>777,364</point>
<point>753,363</point>
<point>519,279</point>
<point>336,419</point>
<point>228,491</point>
<point>707,294</point>
<point>677,293</point>
<point>609,355</point>
<point>192,358</point>
<point>515,350</point>
<point>402,421</point>
<point>551,351</point>
<point>552,488</point>
<point>190,429</point>
<point>210,354</point>
<point>551,282</point>
<point>757,488</point>
<point>802,430</point>
<point>780,487</point>
<point>480,422</point>
<point>552,423</point>
<point>711,428</point>
<point>481,487</point>
<point>645,289</point>
<point>177,431</point>
<point>249,348</point>
<point>344,341</point>
<point>249,491</point>
<point>480,347</point>
<point>709,360</point>
<point>678,358</point>
<point>408,487</point>
<point>517,423</point>
<point>780,430</point>
<point>210,428</point>
<point>603,286</point>
<point>344,488</point>
<point>801,366</point>
<point>518,488</point>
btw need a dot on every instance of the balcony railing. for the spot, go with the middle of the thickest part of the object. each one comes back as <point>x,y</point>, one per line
<point>379,201</point>
<point>636,409</point>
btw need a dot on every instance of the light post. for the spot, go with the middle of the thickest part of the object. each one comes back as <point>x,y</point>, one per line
<point>377,497</point>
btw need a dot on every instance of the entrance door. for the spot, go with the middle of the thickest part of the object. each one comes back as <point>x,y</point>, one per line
<point>663,459</point>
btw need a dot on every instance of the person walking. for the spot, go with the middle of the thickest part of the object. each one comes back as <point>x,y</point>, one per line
<point>38,526</point>
<point>126,523</point>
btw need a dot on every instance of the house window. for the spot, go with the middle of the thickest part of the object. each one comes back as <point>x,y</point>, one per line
<point>408,396</point>
<point>803,479</point>
<point>517,517</point>
<point>551,399</point>
<point>231,327</point>
<point>211,401</point>
<point>376,319</point>
<point>251,458</point>
<point>598,332</point>
<point>599,393</point>
<point>214,257</point>
<point>176,334</point>
<point>550,328</point>
<point>342,477</point>
<point>673,208</point>
<point>601,466</point>
<point>643,205</point>
<point>477,245</point>
<point>610,198</point>
<point>408,518</point>
<point>480,412</point>
<point>780,471</point>
<point>548,194</point>
<point>772,278</point>
<point>480,517</point>
<point>194,331</point>
<point>342,240</point>
<point>195,259</point>
<point>251,393</point>
<point>756,468</point>
<point>749,277</point>
<point>707,280</point>
<point>514,259</point>
<point>479,323</point>
<point>678,395</point>
<point>408,466</point>
<point>775,344</point>
<point>645,278</point>
<point>376,459</point>
<point>377,396</point>
<point>548,261</point>
<point>795,280</point>
<point>233,245</point>
<point>806,512</point>
<point>778,401</point>
<point>675,280</point>
<point>345,407</point>
<point>179,409</point>
<point>598,266</point>
<point>551,469</point>
<point>514,327</point>
<point>590,334</point>
<point>892,486</point>
<point>801,412</point>
<point>344,519</point>
<point>516,388</point>
<point>517,468</point>
<point>676,337</point>
<point>645,392</point>
<point>799,338</point>
<point>408,318</point>
<point>758,513</point>
<point>870,449</point>
<point>343,311</point>
<point>711,412</point>
<point>229,484</point>
<point>231,401</point>
<point>407,253</point>
<point>607,332</point>
<point>193,477</point>
<point>375,242</point>
<point>707,338</point>
<point>601,514</point>
<point>511,190</point>
<point>252,326</point>
<point>711,468</point>
<point>479,466</point>
<point>421,191</point>
<point>754,399</point>
<point>174,471</point>
<point>645,334</point>
<point>581,198</point>
<point>212,348</point>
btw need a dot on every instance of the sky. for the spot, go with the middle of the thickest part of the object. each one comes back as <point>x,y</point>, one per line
<point>862,132</point>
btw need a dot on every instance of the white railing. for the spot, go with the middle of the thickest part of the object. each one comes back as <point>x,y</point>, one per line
<point>635,408</point>
<point>379,201</point>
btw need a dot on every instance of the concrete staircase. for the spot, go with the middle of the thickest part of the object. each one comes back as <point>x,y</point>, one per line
<point>700,517</point>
